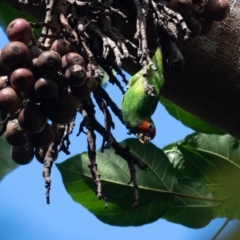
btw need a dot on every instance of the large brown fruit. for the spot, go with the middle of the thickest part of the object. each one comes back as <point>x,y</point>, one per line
<point>40,154</point>
<point>46,88</point>
<point>19,30</point>
<point>15,55</point>
<point>217,10</point>
<point>76,75</point>
<point>22,79</point>
<point>32,119</point>
<point>184,7</point>
<point>61,46</point>
<point>72,58</point>
<point>10,100</point>
<point>62,108</point>
<point>22,155</point>
<point>14,134</point>
<point>42,139</point>
<point>49,62</point>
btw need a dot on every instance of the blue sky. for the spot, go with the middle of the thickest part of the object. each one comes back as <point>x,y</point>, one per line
<point>25,215</point>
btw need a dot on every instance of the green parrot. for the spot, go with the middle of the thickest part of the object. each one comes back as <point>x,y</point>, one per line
<point>138,107</point>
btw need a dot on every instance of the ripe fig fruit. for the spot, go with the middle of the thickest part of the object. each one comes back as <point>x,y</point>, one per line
<point>194,26</point>
<point>84,91</point>
<point>184,7</point>
<point>15,135</point>
<point>76,75</point>
<point>22,155</point>
<point>22,79</point>
<point>19,30</point>
<point>61,46</point>
<point>32,119</point>
<point>72,58</point>
<point>42,139</point>
<point>10,100</point>
<point>34,51</point>
<point>46,88</point>
<point>15,55</point>
<point>217,10</point>
<point>49,62</point>
<point>40,154</point>
<point>62,108</point>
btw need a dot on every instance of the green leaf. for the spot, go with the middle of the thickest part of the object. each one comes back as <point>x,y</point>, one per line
<point>6,163</point>
<point>154,184</point>
<point>190,212</point>
<point>215,161</point>
<point>188,119</point>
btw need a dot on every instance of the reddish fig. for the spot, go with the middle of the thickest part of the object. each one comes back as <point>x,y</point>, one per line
<point>40,154</point>
<point>15,55</point>
<point>34,51</point>
<point>61,46</point>
<point>32,119</point>
<point>72,58</point>
<point>217,10</point>
<point>84,91</point>
<point>42,139</point>
<point>49,62</point>
<point>184,7</point>
<point>22,79</point>
<point>62,108</point>
<point>76,75</point>
<point>14,134</point>
<point>10,100</point>
<point>46,88</point>
<point>22,155</point>
<point>194,26</point>
<point>19,30</point>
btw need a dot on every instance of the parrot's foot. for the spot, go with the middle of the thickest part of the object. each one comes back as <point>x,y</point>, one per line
<point>143,138</point>
<point>150,90</point>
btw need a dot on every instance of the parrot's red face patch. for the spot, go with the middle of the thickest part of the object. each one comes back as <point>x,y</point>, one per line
<point>146,131</point>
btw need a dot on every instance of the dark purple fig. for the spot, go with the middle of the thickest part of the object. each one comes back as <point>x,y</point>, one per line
<point>19,30</point>
<point>62,108</point>
<point>34,51</point>
<point>84,91</point>
<point>217,10</point>
<point>15,135</point>
<point>72,58</point>
<point>46,88</point>
<point>15,55</point>
<point>40,154</point>
<point>76,75</point>
<point>194,26</point>
<point>184,7</point>
<point>61,46</point>
<point>22,155</point>
<point>22,79</point>
<point>49,62</point>
<point>10,100</point>
<point>42,139</point>
<point>32,119</point>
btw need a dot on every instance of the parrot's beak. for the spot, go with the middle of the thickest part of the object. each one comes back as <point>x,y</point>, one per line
<point>143,138</point>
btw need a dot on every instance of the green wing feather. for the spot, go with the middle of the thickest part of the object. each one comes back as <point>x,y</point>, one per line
<point>137,105</point>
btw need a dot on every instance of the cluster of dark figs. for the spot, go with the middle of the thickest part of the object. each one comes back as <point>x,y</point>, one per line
<point>201,15</point>
<point>37,87</point>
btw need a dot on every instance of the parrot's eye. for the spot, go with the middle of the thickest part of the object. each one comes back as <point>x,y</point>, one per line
<point>151,126</point>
